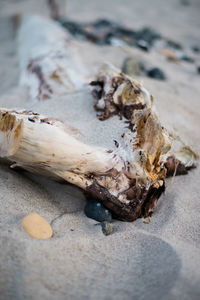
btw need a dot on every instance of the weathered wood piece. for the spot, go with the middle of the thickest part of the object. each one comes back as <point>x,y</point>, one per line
<point>120,179</point>
<point>50,64</point>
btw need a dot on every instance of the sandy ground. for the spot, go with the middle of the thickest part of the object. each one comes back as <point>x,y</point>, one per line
<point>160,260</point>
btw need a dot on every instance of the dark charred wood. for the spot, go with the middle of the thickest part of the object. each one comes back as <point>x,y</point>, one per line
<point>128,110</point>
<point>137,207</point>
<point>150,201</point>
<point>175,167</point>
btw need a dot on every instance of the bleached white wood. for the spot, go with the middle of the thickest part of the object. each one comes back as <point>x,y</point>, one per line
<point>47,146</point>
<point>50,64</point>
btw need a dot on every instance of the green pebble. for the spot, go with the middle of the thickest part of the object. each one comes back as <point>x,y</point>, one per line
<point>131,67</point>
<point>107,228</point>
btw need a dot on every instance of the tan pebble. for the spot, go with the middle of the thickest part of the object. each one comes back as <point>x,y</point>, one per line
<point>37,227</point>
<point>169,54</point>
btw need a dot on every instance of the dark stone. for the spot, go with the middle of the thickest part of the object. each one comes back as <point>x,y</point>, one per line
<point>104,32</point>
<point>198,69</point>
<point>148,35</point>
<point>187,58</point>
<point>174,45</point>
<point>124,34</point>
<point>185,2</point>
<point>107,228</point>
<point>144,45</point>
<point>156,73</point>
<point>196,49</point>
<point>73,27</point>
<point>145,38</point>
<point>102,23</point>
<point>95,210</point>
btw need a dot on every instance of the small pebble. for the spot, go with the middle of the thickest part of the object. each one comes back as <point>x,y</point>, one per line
<point>132,67</point>
<point>144,45</point>
<point>198,70</point>
<point>196,49</point>
<point>187,58</point>
<point>107,228</point>
<point>73,27</point>
<point>102,23</point>
<point>148,35</point>
<point>37,227</point>
<point>95,210</point>
<point>173,45</point>
<point>185,2</point>
<point>169,54</point>
<point>156,73</point>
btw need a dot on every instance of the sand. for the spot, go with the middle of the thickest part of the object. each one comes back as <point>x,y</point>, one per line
<point>160,260</point>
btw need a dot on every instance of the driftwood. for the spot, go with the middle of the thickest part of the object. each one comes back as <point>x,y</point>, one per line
<point>117,178</point>
<point>129,180</point>
<point>49,62</point>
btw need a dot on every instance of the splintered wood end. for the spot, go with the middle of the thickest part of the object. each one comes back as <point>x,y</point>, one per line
<point>10,133</point>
